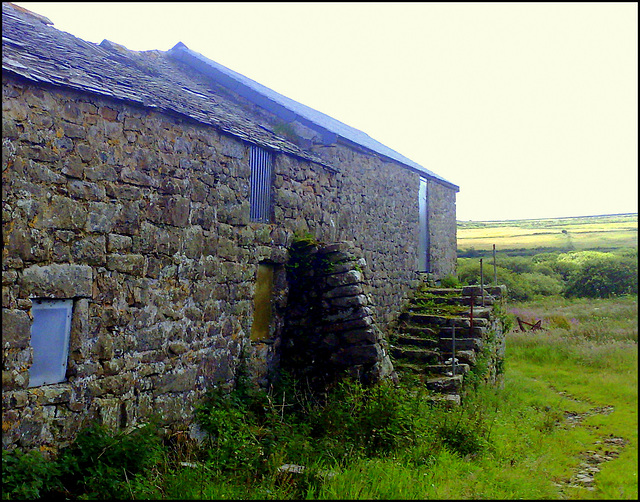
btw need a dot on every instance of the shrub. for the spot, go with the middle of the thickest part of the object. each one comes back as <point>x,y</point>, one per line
<point>603,277</point>
<point>97,465</point>
<point>232,428</point>
<point>369,420</point>
<point>28,475</point>
<point>101,464</point>
<point>450,281</point>
<point>462,430</point>
<point>520,286</point>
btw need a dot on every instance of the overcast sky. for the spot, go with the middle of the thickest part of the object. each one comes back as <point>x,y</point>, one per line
<point>531,108</point>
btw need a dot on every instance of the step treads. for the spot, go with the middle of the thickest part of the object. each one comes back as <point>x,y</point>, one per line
<point>416,341</point>
<point>432,370</point>
<point>415,354</point>
<point>444,384</point>
<point>419,331</point>
<point>437,320</point>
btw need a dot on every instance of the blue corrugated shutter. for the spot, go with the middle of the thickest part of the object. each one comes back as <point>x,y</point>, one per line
<point>261,185</point>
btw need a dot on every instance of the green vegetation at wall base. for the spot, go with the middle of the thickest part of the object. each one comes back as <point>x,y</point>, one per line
<point>569,392</point>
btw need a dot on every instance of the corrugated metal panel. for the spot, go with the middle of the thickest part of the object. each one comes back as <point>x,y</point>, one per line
<point>424,264</point>
<point>261,185</point>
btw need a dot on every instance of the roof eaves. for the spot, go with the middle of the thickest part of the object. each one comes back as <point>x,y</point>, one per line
<point>245,87</point>
<point>289,110</point>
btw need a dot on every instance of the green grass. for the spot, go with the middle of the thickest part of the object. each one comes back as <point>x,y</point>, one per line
<point>589,232</point>
<point>509,442</point>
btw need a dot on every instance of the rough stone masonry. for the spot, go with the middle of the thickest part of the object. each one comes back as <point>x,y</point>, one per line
<point>142,219</point>
<point>127,193</point>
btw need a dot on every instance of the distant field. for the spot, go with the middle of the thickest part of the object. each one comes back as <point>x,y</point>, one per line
<point>605,232</point>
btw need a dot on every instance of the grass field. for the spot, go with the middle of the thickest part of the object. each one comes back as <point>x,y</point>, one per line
<point>589,232</point>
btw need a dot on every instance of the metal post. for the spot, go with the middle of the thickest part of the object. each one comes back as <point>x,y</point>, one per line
<point>482,281</point>
<point>471,316</point>
<point>453,348</point>
<point>495,270</point>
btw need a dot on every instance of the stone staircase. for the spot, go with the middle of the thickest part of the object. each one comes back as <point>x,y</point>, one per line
<point>421,344</point>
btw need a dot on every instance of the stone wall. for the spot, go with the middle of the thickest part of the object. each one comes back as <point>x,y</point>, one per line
<point>329,329</point>
<point>142,218</point>
<point>442,230</point>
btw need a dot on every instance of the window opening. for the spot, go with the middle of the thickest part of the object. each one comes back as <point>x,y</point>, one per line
<point>261,185</point>
<point>262,311</point>
<point>50,340</point>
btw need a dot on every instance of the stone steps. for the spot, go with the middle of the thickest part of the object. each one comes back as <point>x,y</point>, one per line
<point>433,370</point>
<point>444,344</point>
<point>455,300</point>
<point>461,332</point>
<point>416,341</point>
<point>425,337</point>
<point>438,321</point>
<point>416,355</point>
<point>445,384</point>
<point>419,331</point>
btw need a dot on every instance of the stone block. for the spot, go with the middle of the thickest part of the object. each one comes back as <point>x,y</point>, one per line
<point>51,394</point>
<point>117,243</point>
<point>86,152</point>
<point>90,250</point>
<point>349,301</point>
<point>16,329</point>
<point>108,412</point>
<point>193,242</point>
<point>171,210</point>
<point>178,381</point>
<point>86,191</point>
<point>231,147</point>
<point>358,354</point>
<point>63,213</point>
<point>342,291</point>
<point>57,281</point>
<point>137,177</point>
<point>359,336</point>
<point>345,279</point>
<point>104,349</point>
<point>133,124</point>
<point>126,263</point>
<point>349,325</point>
<point>20,242</point>
<point>108,113</point>
<point>74,131</point>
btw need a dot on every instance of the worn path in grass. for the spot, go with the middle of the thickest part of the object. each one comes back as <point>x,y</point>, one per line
<point>605,449</point>
<point>596,379</point>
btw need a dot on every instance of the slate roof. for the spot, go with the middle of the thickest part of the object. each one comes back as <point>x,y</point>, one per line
<point>165,81</point>
<point>289,109</point>
<point>35,50</point>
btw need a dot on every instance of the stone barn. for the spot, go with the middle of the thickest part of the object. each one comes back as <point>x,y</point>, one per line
<point>149,207</point>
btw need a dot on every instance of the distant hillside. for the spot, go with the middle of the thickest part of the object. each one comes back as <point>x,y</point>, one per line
<point>522,237</point>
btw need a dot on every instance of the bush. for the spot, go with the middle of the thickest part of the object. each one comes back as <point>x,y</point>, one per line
<point>603,277</point>
<point>28,475</point>
<point>101,464</point>
<point>594,274</point>
<point>370,420</point>
<point>97,465</point>
<point>520,286</point>
<point>450,281</point>
<point>232,428</point>
<point>462,434</point>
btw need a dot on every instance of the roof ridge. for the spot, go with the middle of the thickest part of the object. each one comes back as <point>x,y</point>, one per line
<point>27,12</point>
<point>290,110</point>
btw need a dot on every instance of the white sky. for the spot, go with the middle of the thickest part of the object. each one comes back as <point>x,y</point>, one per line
<point>531,108</point>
